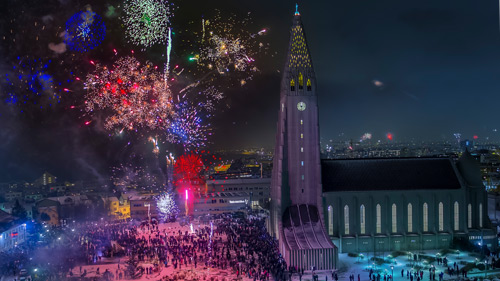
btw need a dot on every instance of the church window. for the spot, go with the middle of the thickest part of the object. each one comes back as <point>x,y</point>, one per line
<point>379,219</point>
<point>440,216</point>
<point>362,219</point>
<point>346,220</point>
<point>480,215</point>
<point>330,220</point>
<point>410,218</point>
<point>309,87</point>
<point>292,85</point>
<point>301,81</point>
<point>426,217</point>
<point>469,216</point>
<point>394,219</point>
<point>456,215</point>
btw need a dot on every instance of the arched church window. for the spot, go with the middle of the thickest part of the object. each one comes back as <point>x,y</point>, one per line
<point>346,220</point>
<point>330,220</point>
<point>309,87</point>
<point>301,81</point>
<point>425,214</point>
<point>379,219</point>
<point>394,218</point>
<point>440,216</point>
<point>410,218</point>
<point>362,223</point>
<point>456,215</point>
<point>480,215</point>
<point>469,216</point>
<point>292,85</point>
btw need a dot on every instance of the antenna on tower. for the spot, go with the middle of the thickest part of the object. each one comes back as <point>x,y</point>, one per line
<point>297,9</point>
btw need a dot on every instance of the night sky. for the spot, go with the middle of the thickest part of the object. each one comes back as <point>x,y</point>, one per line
<point>421,70</point>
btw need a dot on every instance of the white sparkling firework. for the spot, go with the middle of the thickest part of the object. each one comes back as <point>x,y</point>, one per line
<point>166,206</point>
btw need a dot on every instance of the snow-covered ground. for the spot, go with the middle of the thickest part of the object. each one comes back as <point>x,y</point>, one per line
<point>362,265</point>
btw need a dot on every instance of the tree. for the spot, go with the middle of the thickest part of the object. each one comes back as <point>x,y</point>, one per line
<point>19,211</point>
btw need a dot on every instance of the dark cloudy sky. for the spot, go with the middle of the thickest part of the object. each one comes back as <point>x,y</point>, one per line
<point>419,69</point>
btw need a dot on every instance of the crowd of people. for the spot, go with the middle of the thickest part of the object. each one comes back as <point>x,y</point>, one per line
<point>240,246</point>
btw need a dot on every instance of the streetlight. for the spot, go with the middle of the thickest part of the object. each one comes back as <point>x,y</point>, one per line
<point>392,272</point>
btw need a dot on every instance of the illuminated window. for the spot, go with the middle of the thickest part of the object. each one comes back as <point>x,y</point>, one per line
<point>301,136</point>
<point>292,85</point>
<point>362,219</point>
<point>330,220</point>
<point>440,216</point>
<point>480,215</point>
<point>346,220</point>
<point>456,215</point>
<point>301,149</point>
<point>410,218</point>
<point>309,87</point>
<point>302,163</point>
<point>426,217</point>
<point>301,122</point>
<point>301,81</point>
<point>394,218</point>
<point>379,219</point>
<point>302,177</point>
<point>469,216</point>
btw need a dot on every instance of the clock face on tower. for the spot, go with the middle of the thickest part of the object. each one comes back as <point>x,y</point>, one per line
<point>301,106</point>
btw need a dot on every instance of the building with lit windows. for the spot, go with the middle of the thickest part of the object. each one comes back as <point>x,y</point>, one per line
<point>12,232</point>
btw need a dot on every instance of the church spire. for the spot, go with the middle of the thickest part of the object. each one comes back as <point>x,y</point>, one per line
<point>298,52</point>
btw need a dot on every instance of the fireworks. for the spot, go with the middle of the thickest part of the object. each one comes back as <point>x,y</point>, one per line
<point>227,46</point>
<point>366,136</point>
<point>133,95</point>
<point>187,128</point>
<point>84,31</point>
<point>166,206</point>
<point>189,167</point>
<point>147,21</point>
<point>30,82</point>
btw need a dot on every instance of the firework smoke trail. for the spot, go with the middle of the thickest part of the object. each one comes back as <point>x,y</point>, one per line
<point>169,49</point>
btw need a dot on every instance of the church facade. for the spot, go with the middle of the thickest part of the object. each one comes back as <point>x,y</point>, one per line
<point>322,207</point>
<point>383,205</point>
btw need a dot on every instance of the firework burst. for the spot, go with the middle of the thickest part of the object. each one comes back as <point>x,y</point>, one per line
<point>147,21</point>
<point>166,206</point>
<point>84,31</point>
<point>132,94</point>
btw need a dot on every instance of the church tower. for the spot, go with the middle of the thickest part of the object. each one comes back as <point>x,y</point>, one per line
<point>296,192</point>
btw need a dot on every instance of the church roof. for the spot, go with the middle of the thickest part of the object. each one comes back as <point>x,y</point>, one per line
<point>470,170</point>
<point>388,174</point>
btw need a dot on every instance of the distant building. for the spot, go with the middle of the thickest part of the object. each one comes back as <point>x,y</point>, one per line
<point>143,207</point>
<point>45,179</point>
<point>257,191</point>
<point>118,209</point>
<point>218,203</point>
<point>13,195</point>
<point>12,232</point>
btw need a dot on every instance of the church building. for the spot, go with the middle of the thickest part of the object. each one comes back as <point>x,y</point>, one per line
<point>322,207</point>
